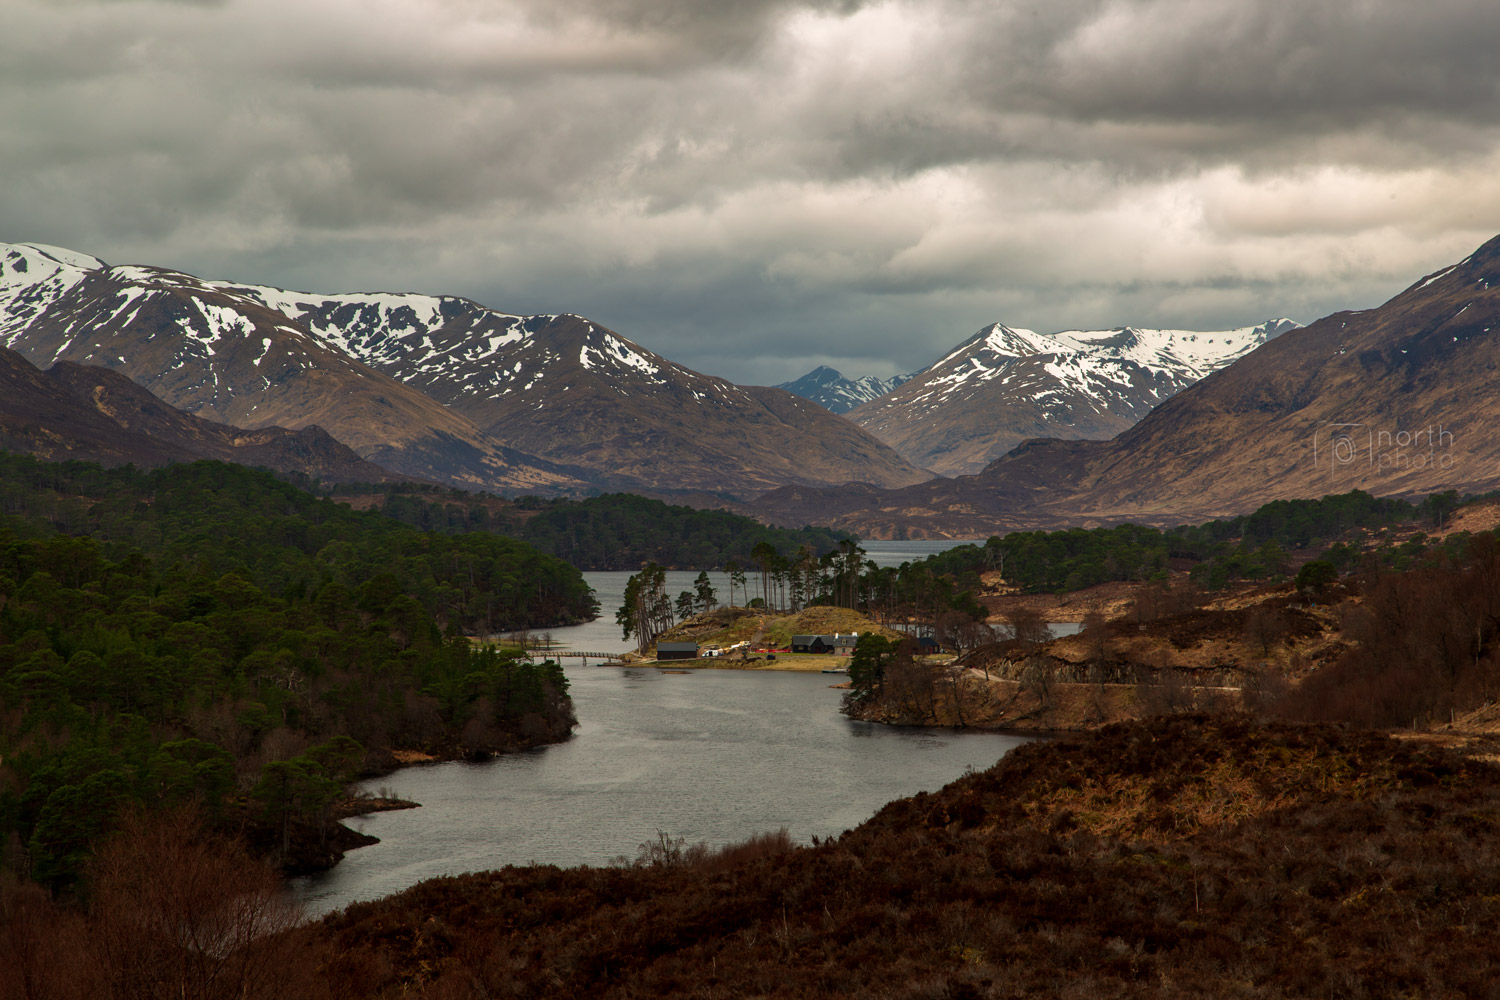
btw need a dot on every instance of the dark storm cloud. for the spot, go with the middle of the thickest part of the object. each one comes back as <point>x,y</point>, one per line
<point>695,30</point>
<point>752,188</point>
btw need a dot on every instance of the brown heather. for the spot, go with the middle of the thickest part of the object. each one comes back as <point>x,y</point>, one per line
<point>1186,856</point>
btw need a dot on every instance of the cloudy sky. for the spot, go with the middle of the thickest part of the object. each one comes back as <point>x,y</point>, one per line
<point>757,187</point>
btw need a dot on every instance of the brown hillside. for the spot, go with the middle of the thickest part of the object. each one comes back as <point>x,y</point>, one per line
<point>1397,400</point>
<point>87,412</point>
<point>654,424</point>
<point>1185,857</point>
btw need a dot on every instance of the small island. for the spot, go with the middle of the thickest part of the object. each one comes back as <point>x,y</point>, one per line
<point>818,638</point>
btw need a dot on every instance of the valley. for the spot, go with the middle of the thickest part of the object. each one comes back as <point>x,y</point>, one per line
<point>798,500</point>
<point>246,651</point>
<point>1393,400</point>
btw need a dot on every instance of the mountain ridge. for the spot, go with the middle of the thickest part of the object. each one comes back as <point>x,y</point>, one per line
<point>211,354</point>
<point>433,386</point>
<point>1006,384</point>
<point>1398,400</point>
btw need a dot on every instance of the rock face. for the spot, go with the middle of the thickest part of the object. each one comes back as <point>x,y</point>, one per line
<point>831,390</point>
<point>86,412</point>
<point>1004,385</point>
<point>436,387</point>
<point>1403,399</point>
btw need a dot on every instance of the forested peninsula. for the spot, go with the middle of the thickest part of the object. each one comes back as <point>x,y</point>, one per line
<point>209,633</point>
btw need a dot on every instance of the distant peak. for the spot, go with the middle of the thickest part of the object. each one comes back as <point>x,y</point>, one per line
<point>822,375</point>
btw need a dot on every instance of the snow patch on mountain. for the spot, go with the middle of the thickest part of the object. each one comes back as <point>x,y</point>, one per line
<point>1094,363</point>
<point>1005,384</point>
<point>62,255</point>
<point>34,275</point>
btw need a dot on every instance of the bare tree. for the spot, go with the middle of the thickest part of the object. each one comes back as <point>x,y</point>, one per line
<point>1026,625</point>
<point>1095,640</point>
<point>910,687</point>
<point>954,672</point>
<point>1265,625</point>
<point>180,912</point>
<point>1037,679</point>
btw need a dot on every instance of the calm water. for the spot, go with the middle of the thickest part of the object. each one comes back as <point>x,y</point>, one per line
<point>896,553</point>
<point>716,755</point>
<point>713,756</point>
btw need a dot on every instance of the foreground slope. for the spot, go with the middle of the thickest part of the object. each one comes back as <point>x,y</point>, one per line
<point>1397,400</point>
<point>1192,857</point>
<point>1005,385</point>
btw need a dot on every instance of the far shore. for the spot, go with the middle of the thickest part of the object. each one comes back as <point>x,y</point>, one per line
<point>807,663</point>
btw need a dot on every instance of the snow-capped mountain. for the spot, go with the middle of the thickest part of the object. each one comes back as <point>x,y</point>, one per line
<point>1005,384</point>
<point>1399,400</point>
<point>226,357</point>
<point>435,386</point>
<point>831,390</point>
<point>575,392</point>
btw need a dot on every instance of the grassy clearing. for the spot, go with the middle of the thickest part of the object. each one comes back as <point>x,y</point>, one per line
<point>726,626</point>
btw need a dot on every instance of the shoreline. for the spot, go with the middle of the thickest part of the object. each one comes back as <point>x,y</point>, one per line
<point>341,838</point>
<point>799,665</point>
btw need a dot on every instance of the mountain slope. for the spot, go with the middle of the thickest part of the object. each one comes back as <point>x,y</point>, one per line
<point>1403,399</point>
<point>436,387</point>
<point>575,392</point>
<point>230,359</point>
<point>1004,385</point>
<point>1398,400</point>
<point>94,414</point>
<point>831,390</point>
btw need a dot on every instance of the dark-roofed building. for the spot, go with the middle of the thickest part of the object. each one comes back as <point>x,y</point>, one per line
<point>676,650</point>
<point>841,643</point>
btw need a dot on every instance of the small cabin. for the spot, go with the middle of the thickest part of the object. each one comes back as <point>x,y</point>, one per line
<point>677,651</point>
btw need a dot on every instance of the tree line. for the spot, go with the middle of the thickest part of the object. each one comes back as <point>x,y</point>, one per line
<point>911,597</point>
<point>610,532</point>
<point>1255,546</point>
